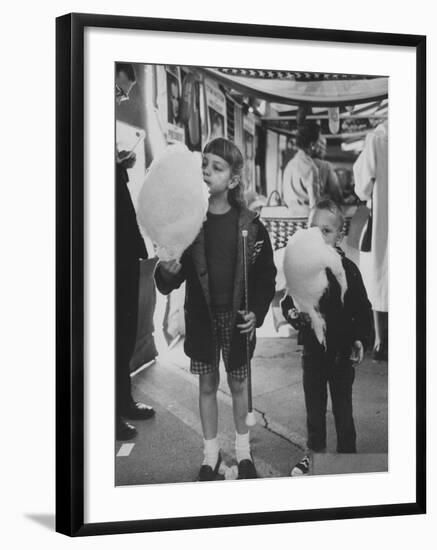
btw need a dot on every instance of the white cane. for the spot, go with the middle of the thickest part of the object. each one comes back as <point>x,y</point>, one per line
<point>250,418</point>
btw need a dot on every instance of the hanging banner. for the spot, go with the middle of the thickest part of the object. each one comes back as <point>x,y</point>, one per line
<point>290,88</point>
<point>249,151</point>
<point>334,119</point>
<point>174,127</point>
<point>238,127</point>
<point>216,107</point>
<point>190,111</point>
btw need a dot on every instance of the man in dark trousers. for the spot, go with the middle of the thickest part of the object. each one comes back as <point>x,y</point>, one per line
<point>129,249</point>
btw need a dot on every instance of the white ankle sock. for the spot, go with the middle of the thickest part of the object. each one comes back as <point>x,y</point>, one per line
<point>242,446</point>
<point>210,452</point>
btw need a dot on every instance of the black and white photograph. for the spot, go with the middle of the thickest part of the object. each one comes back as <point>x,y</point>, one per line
<point>251,273</point>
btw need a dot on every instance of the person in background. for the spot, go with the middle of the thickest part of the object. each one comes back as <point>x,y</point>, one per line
<point>345,180</point>
<point>301,175</point>
<point>289,152</point>
<point>329,186</point>
<point>129,100</point>
<point>254,201</point>
<point>217,125</point>
<point>371,185</point>
<point>348,332</point>
<point>258,204</point>
<point>174,102</point>
<point>129,249</point>
<point>124,80</point>
<point>214,317</point>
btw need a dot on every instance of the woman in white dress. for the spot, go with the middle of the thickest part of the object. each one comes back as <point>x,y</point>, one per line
<point>371,184</point>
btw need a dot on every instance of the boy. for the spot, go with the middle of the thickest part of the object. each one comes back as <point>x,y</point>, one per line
<point>348,332</point>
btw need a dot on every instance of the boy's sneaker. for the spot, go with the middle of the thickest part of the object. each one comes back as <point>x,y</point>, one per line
<point>302,468</point>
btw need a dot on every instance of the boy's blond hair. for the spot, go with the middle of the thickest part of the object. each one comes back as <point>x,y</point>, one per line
<point>331,206</point>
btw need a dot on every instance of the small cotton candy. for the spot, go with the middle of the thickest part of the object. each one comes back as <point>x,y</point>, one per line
<point>229,472</point>
<point>173,201</point>
<point>306,258</point>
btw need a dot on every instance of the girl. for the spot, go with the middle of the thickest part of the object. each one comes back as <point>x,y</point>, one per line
<point>213,270</point>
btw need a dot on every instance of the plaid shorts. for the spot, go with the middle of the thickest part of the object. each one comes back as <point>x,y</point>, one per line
<point>223,329</point>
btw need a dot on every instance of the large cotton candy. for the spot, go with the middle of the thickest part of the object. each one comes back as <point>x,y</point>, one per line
<point>305,260</point>
<point>173,201</point>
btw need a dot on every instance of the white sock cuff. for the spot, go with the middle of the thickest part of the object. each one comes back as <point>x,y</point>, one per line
<point>210,451</point>
<point>242,446</point>
<point>242,439</point>
<point>211,445</point>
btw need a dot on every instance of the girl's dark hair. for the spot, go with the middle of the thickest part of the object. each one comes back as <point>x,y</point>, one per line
<point>228,151</point>
<point>307,133</point>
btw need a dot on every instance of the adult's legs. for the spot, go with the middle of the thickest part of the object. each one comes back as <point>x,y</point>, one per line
<point>126,313</point>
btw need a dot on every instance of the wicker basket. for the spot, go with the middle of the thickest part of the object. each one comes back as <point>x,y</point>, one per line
<point>281,223</point>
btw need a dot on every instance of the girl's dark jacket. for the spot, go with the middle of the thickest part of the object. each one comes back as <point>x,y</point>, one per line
<point>346,321</point>
<point>200,337</point>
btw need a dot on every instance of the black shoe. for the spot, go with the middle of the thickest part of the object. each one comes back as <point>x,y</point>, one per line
<point>380,355</point>
<point>206,473</point>
<point>125,431</point>
<point>246,469</point>
<point>138,411</point>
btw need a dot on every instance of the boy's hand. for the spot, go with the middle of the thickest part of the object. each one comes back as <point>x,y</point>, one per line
<point>297,319</point>
<point>170,268</point>
<point>357,354</point>
<point>249,325</point>
<point>293,313</point>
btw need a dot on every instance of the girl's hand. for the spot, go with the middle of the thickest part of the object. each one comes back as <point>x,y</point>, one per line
<point>170,268</point>
<point>249,325</point>
<point>357,352</point>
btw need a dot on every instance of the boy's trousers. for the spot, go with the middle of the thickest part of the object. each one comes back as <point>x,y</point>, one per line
<point>321,369</point>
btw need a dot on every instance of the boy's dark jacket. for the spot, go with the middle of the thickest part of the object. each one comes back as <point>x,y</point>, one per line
<point>199,336</point>
<point>345,322</point>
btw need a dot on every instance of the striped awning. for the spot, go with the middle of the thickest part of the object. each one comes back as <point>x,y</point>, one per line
<point>294,87</point>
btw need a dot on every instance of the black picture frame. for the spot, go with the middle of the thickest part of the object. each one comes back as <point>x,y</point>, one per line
<point>70,273</point>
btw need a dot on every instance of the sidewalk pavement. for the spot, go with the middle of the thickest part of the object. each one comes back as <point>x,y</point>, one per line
<point>168,448</point>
